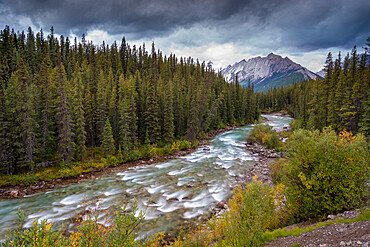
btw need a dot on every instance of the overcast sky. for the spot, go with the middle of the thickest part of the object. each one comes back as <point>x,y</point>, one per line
<point>221,31</point>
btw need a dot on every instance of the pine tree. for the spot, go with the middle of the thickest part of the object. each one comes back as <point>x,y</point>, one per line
<point>152,112</point>
<point>80,132</point>
<point>108,141</point>
<point>365,123</point>
<point>46,111</point>
<point>63,115</point>
<point>6,159</point>
<point>168,127</point>
<point>193,122</point>
<point>19,105</point>
<point>100,106</point>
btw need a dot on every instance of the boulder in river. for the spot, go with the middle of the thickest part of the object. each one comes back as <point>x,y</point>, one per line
<point>14,193</point>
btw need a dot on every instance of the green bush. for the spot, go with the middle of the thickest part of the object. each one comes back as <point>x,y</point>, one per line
<point>135,155</point>
<point>252,211</point>
<point>112,160</point>
<point>296,124</point>
<point>264,134</point>
<point>325,173</point>
<point>180,145</point>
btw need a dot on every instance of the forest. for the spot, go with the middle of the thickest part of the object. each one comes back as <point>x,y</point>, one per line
<point>62,101</point>
<point>340,100</point>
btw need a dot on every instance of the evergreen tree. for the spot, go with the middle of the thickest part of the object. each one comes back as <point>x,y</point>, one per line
<point>63,115</point>
<point>101,107</point>
<point>19,106</point>
<point>152,111</point>
<point>79,116</point>
<point>46,111</point>
<point>168,127</point>
<point>365,123</point>
<point>108,141</point>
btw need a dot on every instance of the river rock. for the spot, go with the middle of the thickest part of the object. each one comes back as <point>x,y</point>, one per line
<point>221,205</point>
<point>14,193</point>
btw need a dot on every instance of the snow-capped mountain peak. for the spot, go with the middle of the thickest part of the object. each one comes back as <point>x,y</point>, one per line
<point>262,71</point>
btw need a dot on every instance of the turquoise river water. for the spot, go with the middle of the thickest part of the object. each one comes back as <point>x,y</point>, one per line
<point>169,193</point>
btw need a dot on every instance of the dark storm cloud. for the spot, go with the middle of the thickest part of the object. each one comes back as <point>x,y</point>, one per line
<point>312,25</point>
<point>294,24</point>
<point>139,17</point>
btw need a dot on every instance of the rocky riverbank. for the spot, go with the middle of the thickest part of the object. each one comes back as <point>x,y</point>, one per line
<point>337,234</point>
<point>21,190</point>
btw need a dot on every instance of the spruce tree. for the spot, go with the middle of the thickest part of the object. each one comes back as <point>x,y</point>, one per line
<point>46,111</point>
<point>6,159</point>
<point>365,122</point>
<point>152,112</point>
<point>168,128</point>
<point>19,105</point>
<point>108,141</point>
<point>100,106</point>
<point>63,115</point>
<point>80,132</point>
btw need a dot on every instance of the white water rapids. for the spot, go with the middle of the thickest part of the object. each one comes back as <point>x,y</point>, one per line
<point>169,192</point>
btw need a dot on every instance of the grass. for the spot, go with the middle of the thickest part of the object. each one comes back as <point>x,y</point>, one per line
<point>297,231</point>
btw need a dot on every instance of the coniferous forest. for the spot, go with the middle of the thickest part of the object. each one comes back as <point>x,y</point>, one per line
<point>340,100</point>
<point>61,100</point>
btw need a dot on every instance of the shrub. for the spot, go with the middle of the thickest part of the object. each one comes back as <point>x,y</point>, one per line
<point>252,210</point>
<point>26,179</point>
<point>88,232</point>
<point>135,155</point>
<point>180,145</point>
<point>325,173</point>
<point>296,124</point>
<point>264,134</point>
<point>112,160</point>
<point>251,213</point>
<point>39,235</point>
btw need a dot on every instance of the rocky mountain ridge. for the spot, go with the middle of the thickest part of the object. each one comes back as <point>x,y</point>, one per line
<point>267,72</point>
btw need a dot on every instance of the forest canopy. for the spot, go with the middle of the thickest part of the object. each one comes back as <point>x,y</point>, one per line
<point>59,98</point>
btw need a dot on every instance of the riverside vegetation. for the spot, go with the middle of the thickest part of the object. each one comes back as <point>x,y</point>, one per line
<point>314,181</point>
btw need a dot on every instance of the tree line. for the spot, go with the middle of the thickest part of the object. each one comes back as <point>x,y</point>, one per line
<point>60,98</point>
<point>340,100</point>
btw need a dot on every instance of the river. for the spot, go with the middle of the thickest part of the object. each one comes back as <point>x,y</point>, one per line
<point>169,193</point>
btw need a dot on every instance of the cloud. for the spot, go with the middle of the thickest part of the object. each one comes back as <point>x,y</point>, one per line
<point>138,18</point>
<point>220,54</point>
<point>203,28</point>
<point>299,24</point>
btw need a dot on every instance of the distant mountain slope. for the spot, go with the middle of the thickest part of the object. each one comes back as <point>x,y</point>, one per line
<point>321,73</point>
<point>267,72</point>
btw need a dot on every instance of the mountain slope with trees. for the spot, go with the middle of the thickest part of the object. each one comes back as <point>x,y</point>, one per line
<point>267,72</point>
<point>340,100</point>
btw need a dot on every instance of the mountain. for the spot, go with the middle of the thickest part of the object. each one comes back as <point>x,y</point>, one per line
<point>267,72</point>
<point>321,73</point>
